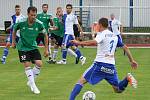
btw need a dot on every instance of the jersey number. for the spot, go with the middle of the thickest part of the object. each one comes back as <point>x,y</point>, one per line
<point>111,45</point>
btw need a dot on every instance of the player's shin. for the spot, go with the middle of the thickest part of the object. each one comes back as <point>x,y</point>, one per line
<point>30,75</point>
<point>71,52</point>
<point>5,54</point>
<point>123,84</point>
<point>36,71</point>
<point>64,54</point>
<point>76,90</point>
<point>55,52</point>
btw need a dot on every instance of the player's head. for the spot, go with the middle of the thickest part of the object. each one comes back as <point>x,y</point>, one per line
<point>69,8</point>
<point>32,12</point>
<point>45,8</point>
<point>103,24</point>
<point>59,11</point>
<point>17,9</point>
<point>112,16</point>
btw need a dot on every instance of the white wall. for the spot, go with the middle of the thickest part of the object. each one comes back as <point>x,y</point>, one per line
<point>141,17</point>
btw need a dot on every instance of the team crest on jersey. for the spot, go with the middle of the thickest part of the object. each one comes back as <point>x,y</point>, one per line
<point>36,29</point>
<point>23,28</point>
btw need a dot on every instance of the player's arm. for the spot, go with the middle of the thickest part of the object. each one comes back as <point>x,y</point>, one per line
<point>130,57</point>
<point>85,43</point>
<point>46,45</point>
<point>15,28</point>
<point>121,29</point>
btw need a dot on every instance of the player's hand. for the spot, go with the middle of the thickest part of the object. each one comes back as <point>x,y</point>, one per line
<point>46,53</point>
<point>81,34</point>
<point>75,42</point>
<point>134,64</point>
<point>13,45</point>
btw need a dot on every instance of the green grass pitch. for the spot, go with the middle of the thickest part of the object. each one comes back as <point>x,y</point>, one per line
<point>56,81</point>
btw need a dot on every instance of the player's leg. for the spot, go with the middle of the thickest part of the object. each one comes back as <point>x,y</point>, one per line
<point>65,46</point>
<point>25,58</point>
<point>92,75</point>
<point>77,88</point>
<point>6,49</point>
<point>71,52</point>
<point>79,55</point>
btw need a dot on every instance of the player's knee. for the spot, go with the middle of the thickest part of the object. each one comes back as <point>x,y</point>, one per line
<point>27,64</point>
<point>82,80</point>
<point>39,63</point>
<point>8,45</point>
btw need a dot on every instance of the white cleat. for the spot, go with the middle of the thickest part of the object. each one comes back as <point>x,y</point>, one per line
<point>132,80</point>
<point>83,59</point>
<point>61,62</point>
<point>28,84</point>
<point>36,90</point>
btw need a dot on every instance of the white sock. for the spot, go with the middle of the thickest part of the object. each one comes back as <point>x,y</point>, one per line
<point>30,75</point>
<point>55,52</point>
<point>71,52</point>
<point>50,51</point>
<point>36,71</point>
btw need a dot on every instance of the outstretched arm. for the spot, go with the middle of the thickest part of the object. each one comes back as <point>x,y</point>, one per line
<point>134,64</point>
<point>46,46</point>
<point>85,43</point>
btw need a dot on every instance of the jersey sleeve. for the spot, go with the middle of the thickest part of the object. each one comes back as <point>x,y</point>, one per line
<point>99,38</point>
<point>42,29</point>
<point>75,20</point>
<point>118,22</point>
<point>16,27</point>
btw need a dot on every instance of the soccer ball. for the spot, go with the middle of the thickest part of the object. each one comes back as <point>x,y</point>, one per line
<point>89,95</point>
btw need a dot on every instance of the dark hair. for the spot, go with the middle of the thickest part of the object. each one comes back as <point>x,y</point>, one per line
<point>45,5</point>
<point>69,5</point>
<point>34,9</point>
<point>17,6</point>
<point>104,22</point>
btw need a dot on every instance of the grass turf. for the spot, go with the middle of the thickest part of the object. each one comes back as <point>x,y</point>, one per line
<point>57,81</point>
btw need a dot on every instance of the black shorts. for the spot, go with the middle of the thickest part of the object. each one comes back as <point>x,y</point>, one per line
<point>30,56</point>
<point>57,38</point>
<point>40,38</point>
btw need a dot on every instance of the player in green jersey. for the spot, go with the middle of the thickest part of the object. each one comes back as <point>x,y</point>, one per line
<point>27,47</point>
<point>47,21</point>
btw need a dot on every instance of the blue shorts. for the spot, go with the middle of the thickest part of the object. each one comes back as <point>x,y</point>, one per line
<point>120,42</point>
<point>99,71</point>
<point>9,39</point>
<point>66,40</point>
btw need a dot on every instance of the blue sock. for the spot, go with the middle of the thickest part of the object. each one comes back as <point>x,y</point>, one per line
<point>77,51</point>
<point>64,54</point>
<point>123,84</point>
<point>5,53</point>
<point>75,91</point>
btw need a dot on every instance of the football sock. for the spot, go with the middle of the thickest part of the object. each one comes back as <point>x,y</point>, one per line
<point>77,51</point>
<point>71,52</point>
<point>64,54</point>
<point>5,53</point>
<point>123,84</point>
<point>75,91</point>
<point>36,71</point>
<point>30,76</point>
<point>55,52</point>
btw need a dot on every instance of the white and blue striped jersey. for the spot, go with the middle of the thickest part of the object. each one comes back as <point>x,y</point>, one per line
<point>106,46</point>
<point>115,25</point>
<point>69,21</point>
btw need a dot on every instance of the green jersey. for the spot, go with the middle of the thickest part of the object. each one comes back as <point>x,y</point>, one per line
<point>59,24</point>
<point>28,34</point>
<point>45,18</point>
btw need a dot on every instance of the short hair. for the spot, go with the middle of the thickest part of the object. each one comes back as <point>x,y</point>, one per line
<point>34,9</point>
<point>45,5</point>
<point>103,22</point>
<point>59,8</point>
<point>17,6</point>
<point>69,5</point>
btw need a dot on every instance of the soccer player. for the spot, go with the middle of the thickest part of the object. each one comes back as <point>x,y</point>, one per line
<point>103,66</point>
<point>15,18</point>
<point>57,34</point>
<point>116,27</point>
<point>47,21</point>
<point>27,47</point>
<point>69,20</point>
